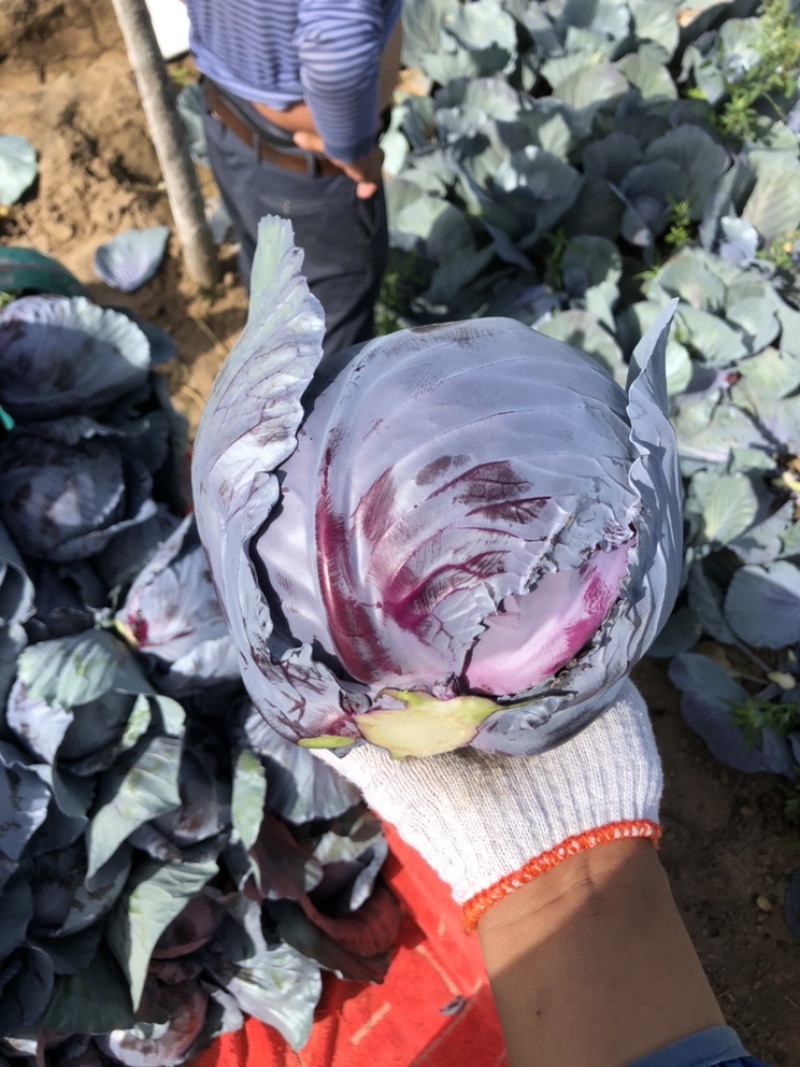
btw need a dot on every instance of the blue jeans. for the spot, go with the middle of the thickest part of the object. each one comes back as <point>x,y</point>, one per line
<point>716,1047</point>
<point>344,239</point>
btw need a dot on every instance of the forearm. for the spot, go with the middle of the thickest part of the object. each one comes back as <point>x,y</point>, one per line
<point>591,963</point>
<point>339,49</point>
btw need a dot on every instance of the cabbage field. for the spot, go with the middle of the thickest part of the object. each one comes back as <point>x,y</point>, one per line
<point>575,165</point>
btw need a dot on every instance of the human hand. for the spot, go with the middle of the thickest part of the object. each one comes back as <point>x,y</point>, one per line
<point>365,172</point>
<point>489,824</point>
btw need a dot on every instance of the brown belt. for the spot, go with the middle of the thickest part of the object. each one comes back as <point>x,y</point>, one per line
<point>301,163</point>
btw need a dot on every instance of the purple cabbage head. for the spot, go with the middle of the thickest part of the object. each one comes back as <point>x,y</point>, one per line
<point>461,534</point>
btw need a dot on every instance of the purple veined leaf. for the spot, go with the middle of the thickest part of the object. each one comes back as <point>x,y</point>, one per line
<point>18,167</point>
<point>162,1044</point>
<point>762,605</point>
<point>478,528</point>
<point>708,696</point>
<point>301,787</point>
<point>132,258</point>
<point>172,612</point>
<point>67,503</point>
<point>62,355</point>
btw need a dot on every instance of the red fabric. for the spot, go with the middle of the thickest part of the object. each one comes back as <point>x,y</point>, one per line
<point>399,1023</point>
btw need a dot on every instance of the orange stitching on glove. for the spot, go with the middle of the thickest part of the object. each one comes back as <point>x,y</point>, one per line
<point>613,831</point>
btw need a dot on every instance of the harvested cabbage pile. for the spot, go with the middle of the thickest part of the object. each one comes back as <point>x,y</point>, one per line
<point>158,877</point>
<point>460,534</point>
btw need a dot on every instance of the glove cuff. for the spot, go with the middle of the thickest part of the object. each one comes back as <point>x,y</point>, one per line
<point>475,907</point>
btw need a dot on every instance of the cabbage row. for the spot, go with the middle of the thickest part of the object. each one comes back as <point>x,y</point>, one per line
<point>577,166</point>
<point>158,878</point>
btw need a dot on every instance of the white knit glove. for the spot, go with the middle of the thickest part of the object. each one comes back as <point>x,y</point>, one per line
<point>488,824</point>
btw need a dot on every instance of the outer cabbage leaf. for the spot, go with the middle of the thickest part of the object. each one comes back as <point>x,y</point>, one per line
<point>24,800</point>
<point>274,983</point>
<point>709,695</point>
<point>132,258</point>
<point>164,1044</point>
<point>762,605</point>
<point>155,895</point>
<point>65,355</point>
<point>18,167</point>
<point>67,503</point>
<point>172,612</point>
<point>433,556</point>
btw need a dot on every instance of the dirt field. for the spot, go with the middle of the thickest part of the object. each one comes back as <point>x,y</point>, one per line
<point>65,84</point>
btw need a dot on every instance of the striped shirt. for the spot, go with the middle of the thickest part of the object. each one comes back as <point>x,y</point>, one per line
<point>278,52</point>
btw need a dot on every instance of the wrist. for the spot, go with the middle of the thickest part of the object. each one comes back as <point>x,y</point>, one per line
<point>576,858</point>
<point>592,962</point>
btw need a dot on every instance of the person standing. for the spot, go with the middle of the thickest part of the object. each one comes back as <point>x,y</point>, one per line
<point>296,92</point>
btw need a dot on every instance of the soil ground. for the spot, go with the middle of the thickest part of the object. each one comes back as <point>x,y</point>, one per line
<point>66,85</point>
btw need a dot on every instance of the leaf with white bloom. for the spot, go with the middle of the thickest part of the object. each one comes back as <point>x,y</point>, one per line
<point>647,75</point>
<point>156,894</point>
<point>654,21</point>
<point>711,337</point>
<point>592,85</point>
<point>739,242</point>
<point>273,983</point>
<point>133,792</point>
<point>726,504</point>
<point>18,167</point>
<point>689,276</point>
<point>763,541</point>
<point>760,323</point>
<point>762,605</point>
<point>301,787</point>
<point>129,260</point>
<point>679,368</point>
<point>772,374</point>
<point>249,795</point>
<point>62,355</point>
<point>583,331</point>
<point>708,697</point>
<point>773,207</point>
<point>701,157</point>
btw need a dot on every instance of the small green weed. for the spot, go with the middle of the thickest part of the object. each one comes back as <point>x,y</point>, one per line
<point>775,73</point>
